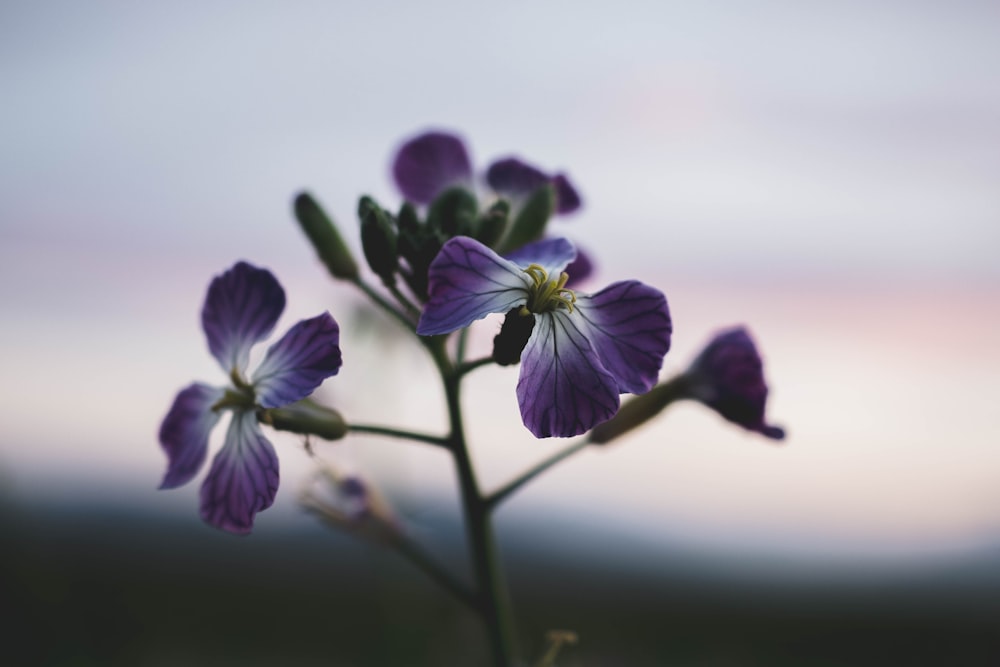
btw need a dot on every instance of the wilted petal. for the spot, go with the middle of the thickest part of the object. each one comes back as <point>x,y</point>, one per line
<point>567,198</point>
<point>242,307</point>
<point>299,362</point>
<point>185,430</point>
<point>428,164</point>
<point>243,479</point>
<point>467,281</point>
<point>512,178</point>
<point>628,323</point>
<point>563,389</point>
<point>554,255</point>
<point>728,376</point>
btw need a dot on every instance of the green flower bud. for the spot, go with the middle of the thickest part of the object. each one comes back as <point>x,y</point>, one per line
<point>529,225</point>
<point>640,409</point>
<point>453,212</point>
<point>306,417</point>
<point>493,223</point>
<point>378,239</point>
<point>325,238</point>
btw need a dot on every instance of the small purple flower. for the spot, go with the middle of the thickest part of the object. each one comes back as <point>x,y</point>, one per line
<point>241,308</point>
<point>580,353</point>
<point>428,164</point>
<point>728,376</point>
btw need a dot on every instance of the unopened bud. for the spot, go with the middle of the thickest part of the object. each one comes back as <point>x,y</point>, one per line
<point>306,417</point>
<point>493,223</point>
<point>529,225</point>
<point>453,212</point>
<point>325,238</point>
<point>640,409</point>
<point>378,239</point>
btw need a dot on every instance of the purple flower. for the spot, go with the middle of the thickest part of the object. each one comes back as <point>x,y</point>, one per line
<point>428,164</point>
<point>579,352</point>
<point>241,308</point>
<point>728,376</point>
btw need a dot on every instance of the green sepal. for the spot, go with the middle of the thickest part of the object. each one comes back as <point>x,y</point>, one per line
<point>529,225</point>
<point>378,239</point>
<point>306,417</point>
<point>493,223</point>
<point>640,409</point>
<point>325,238</point>
<point>453,213</point>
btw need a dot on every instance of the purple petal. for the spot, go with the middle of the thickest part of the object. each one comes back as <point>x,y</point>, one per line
<point>628,323</point>
<point>580,268</point>
<point>728,376</point>
<point>567,198</point>
<point>299,362</point>
<point>563,389</point>
<point>428,164</point>
<point>243,479</point>
<point>242,307</point>
<point>512,178</point>
<point>467,281</point>
<point>553,254</point>
<point>185,430</point>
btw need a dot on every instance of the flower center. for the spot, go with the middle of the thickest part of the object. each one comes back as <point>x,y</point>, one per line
<point>547,295</point>
<point>239,396</point>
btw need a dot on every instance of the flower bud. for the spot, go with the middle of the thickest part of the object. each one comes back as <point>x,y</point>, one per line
<point>349,503</point>
<point>325,238</point>
<point>453,213</point>
<point>493,223</point>
<point>306,417</point>
<point>514,333</point>
<point>378,239</point>
<point>529,225</point>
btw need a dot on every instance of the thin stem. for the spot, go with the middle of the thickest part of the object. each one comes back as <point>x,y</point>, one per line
<point>404,301</point>
<point>399,433</point>
<point>503,492</point>
<point>469,366</point>
<point>384,304</point>
<point>463,340</point>
<point>423,561</point>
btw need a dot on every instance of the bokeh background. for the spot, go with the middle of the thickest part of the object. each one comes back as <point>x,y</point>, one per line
<point>825,173</point>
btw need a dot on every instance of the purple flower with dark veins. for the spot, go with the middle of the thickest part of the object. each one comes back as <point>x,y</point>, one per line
<point>430,163</point>
<point>577,352</point>
<point>241,308</point>
<point>728,376</point>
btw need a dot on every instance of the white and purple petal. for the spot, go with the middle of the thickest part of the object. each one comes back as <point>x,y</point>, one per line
<point>185,430</point>
<point>466,282</point>
<point>430,163</point>
<point>241,308</point>
<point>554,255</point>
<point>580,268</point>
<point>298,363</point>
<point>629,325</point>
<point>563,389</point>
<point>244,477</point>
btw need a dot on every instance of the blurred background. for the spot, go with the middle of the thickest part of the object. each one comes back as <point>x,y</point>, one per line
<point>824,173</point>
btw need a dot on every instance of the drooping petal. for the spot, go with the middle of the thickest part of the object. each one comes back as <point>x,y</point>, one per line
<point>629,325</point>
<point>728,376</point>
<point>554,255</point>
<point>512,178</point>
<point>567,198</point>
<point>185,430</point>
<point>241,308</point>
<point>428,164</point>
<point>299,362</point>
<point>580,268</point>
<point>563,389</point>
<point>467,281</point>
<point>243,479</point>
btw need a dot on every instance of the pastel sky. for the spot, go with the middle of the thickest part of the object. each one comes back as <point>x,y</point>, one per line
<point>825,174</point>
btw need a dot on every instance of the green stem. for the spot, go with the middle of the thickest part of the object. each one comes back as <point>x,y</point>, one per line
<point>416,555</point>
<point>503,492</point>
<point>384,304</point>
<point>469,366</point>
<point>399,433</point>
<point>492,600</point>
<point>404,301</point>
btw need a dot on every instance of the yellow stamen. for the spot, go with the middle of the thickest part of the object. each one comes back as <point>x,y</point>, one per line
<point>547,295</point>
